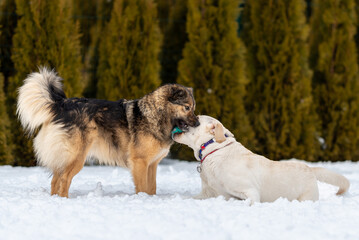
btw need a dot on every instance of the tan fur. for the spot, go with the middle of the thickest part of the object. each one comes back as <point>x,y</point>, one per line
<point>143,160</point>
<point>138,137</point>
<point>142,157</point>
<point>219,133</point>
<point>77,152</point>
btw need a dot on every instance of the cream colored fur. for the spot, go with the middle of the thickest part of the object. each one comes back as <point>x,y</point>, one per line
<point>34,95</point>
<point>52,148</point>
<point>235,171</point>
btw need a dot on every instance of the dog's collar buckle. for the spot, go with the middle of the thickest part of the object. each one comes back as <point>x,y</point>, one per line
<point>199,168</point>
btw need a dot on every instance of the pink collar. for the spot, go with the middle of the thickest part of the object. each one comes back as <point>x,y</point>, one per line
<point>214,151</point>
<point>199,167</point>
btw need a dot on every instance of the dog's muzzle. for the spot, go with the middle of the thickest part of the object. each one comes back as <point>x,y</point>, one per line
<point>194,121</point>
<point>185,124</point>
<point>197,124</point>
<point>182,124</point>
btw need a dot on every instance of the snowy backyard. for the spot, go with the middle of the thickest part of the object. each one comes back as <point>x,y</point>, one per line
<point>102,205</point>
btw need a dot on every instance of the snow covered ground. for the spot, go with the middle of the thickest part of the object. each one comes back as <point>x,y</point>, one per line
<point>102,205</point>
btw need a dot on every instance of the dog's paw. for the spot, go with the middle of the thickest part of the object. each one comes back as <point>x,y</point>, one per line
<point>200,197</point>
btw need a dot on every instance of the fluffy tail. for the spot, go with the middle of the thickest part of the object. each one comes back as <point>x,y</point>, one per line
<point>327,176</point>
<point>36,98</point>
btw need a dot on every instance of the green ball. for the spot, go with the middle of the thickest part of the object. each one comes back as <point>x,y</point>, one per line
<point>176,130</point>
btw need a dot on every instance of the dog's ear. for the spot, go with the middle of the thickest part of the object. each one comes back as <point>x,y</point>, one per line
<point>210,128</point>
<point>190,90</point>
<point>177,94</point>
<point>217,130</point>
<point>226,131</point>
<point>219,133</point>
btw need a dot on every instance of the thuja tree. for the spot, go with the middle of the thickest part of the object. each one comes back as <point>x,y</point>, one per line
<point>5,137</point>
<point>84,12</point>
<point>357,23</point>
<point>174,39</point>
<point>163,12</point>
<point>129,65</point>
<point>8,21</point>
<point>213,64</point>
<point>279,99</point>
<point>92,56</point>
<point>335,81</point>
<point>45,35</point>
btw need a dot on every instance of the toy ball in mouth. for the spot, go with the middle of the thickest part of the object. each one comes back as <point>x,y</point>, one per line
<point>175,130</point>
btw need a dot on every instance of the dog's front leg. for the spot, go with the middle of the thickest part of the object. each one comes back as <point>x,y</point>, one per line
<point>144,161</point>
<point>152,173</point>
<point>151,178</point>
<point>140,175</point>
<point>202,195</point>
<point>207,192</point>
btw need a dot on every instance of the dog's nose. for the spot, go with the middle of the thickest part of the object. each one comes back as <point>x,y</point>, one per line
<point>197,124</point>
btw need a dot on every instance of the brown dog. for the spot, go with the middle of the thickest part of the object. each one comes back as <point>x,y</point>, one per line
<point>135,134</point>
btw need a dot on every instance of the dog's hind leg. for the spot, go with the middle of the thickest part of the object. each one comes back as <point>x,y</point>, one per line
<point>54,183</point>
<point>66,177</point>
<point>207,191</point>
<point>312,193</point>
<point>251,194</point>
<point>79,153</point>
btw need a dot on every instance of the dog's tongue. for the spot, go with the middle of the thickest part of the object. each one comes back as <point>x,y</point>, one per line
<point>175,130</point>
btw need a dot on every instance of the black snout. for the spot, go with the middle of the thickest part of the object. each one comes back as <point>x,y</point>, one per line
<point>197,124</point>
<point>194,122</point>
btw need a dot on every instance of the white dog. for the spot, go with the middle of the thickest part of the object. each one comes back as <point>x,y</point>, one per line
<point>229,169</point>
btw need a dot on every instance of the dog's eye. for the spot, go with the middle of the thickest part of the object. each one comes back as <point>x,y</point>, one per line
<point>187,108</point>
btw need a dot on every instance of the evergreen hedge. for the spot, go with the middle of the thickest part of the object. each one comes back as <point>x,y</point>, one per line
<point>46,35</point>
<point>129,66</point>
<point>287,87</point>
<point>335,64</point>
<point>214,65</point>
<point>279,101</point>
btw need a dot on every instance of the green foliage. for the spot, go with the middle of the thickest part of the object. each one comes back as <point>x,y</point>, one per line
<point>174,39</point>
<point>213,64</point>
<point>45,35</point>
<point>5,137</point>
<point>336,79</point>
<point>357,24</point>
<point>84,12</point>
<point>279,99</point>
<point>129,66</point>
<point>163,12</point>
<point>8,21</point>
<point>92,55</point>
<point>262,91</point>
